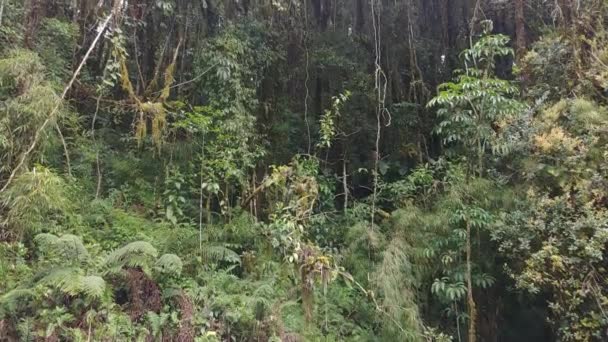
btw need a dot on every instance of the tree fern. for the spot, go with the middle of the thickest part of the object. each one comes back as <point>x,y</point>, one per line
<point>169,264</point>
<point>9,301</point>
<point>67,248</point>
<point>45,240</point>
<point>135,254</point>
<point>26,330</point>
<point>217,253</point>
<point>72,282</point>
<point>262,300</point>
<point>93,286</point>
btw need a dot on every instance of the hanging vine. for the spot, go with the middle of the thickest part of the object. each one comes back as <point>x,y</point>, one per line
<point>380,86</point>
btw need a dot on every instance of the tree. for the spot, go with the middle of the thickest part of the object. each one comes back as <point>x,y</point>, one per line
<point>476,107</point>
<point>557,234</point>
<point>520,28</point>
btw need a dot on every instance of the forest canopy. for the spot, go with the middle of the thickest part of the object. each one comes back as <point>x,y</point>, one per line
<point>303,170</point>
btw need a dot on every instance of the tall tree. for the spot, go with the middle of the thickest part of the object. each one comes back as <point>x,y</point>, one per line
<point>520,28</point>
<point>33,10</point>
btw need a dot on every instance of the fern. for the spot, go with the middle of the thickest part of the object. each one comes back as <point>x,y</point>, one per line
<point>93,286</point>
<point>10,301</point>
<point>45,241</point>
<point>217,253</point>
<point>169,264</point>
<point>26,330</point>
<point>67,248</point>
<point>70,246</point>
<point>72,282</point>
<point>136,254</point>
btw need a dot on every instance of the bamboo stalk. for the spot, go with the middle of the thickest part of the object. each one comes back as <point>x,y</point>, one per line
<point>67,88</point>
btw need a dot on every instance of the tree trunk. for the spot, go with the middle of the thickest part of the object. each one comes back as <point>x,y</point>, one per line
<point>520,28</point>
<point>345,184</point>
<point>520,40</point>
<point>33,10</point>
<point>200,210</point>
<point>208,208</point>
<point>565,10</point>
<point>470,299</point>
<point>1,10</point>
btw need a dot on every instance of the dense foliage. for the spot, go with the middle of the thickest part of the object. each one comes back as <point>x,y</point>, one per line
<point>315,170</point>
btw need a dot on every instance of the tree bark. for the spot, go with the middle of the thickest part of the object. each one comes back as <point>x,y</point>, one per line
<point>470,299</point>
<point>520,28</point>
<point>200,208</point>
<point>33,9</point>
<point>520,40</point>
<point>565,10</point>
<point>1,10</point>
<point>345,184</point>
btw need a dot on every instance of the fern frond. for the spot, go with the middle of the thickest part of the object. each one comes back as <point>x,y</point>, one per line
<point>10,300</point>
<point>262,300</point>
<point>216,253</point>
<point>169,264</point>
<point>93,286</point>
<point>135,254</point>
<point>71,246</point>
<point>45,241</point>
<point>265,290</point>
<point>67,280</point>
<point>68,248</point>
<point>72,282</point>
<point>61,277</point>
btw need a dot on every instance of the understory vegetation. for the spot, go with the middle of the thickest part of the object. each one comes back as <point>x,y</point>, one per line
<point>315,170</point>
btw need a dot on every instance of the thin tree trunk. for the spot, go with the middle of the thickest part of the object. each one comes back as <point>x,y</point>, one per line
<point>520,28</point>
<point>200,210</point>
<point>98,190</point>
<point>208,209</point>
<point>345,184</point>
<point>74,7</point>
<point>32,10</point>
<point>470,299</point>
<point>480,151</point>
<point>227,203</point>
<point>307,69</point>
<point>251,185</point>
<point>65,149</point>
<point>457,322</point>
<point>89,333</point>
<point>520,40</point>
<point>1,10</point>
<point>255,199</point>
<point>565,11</point>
